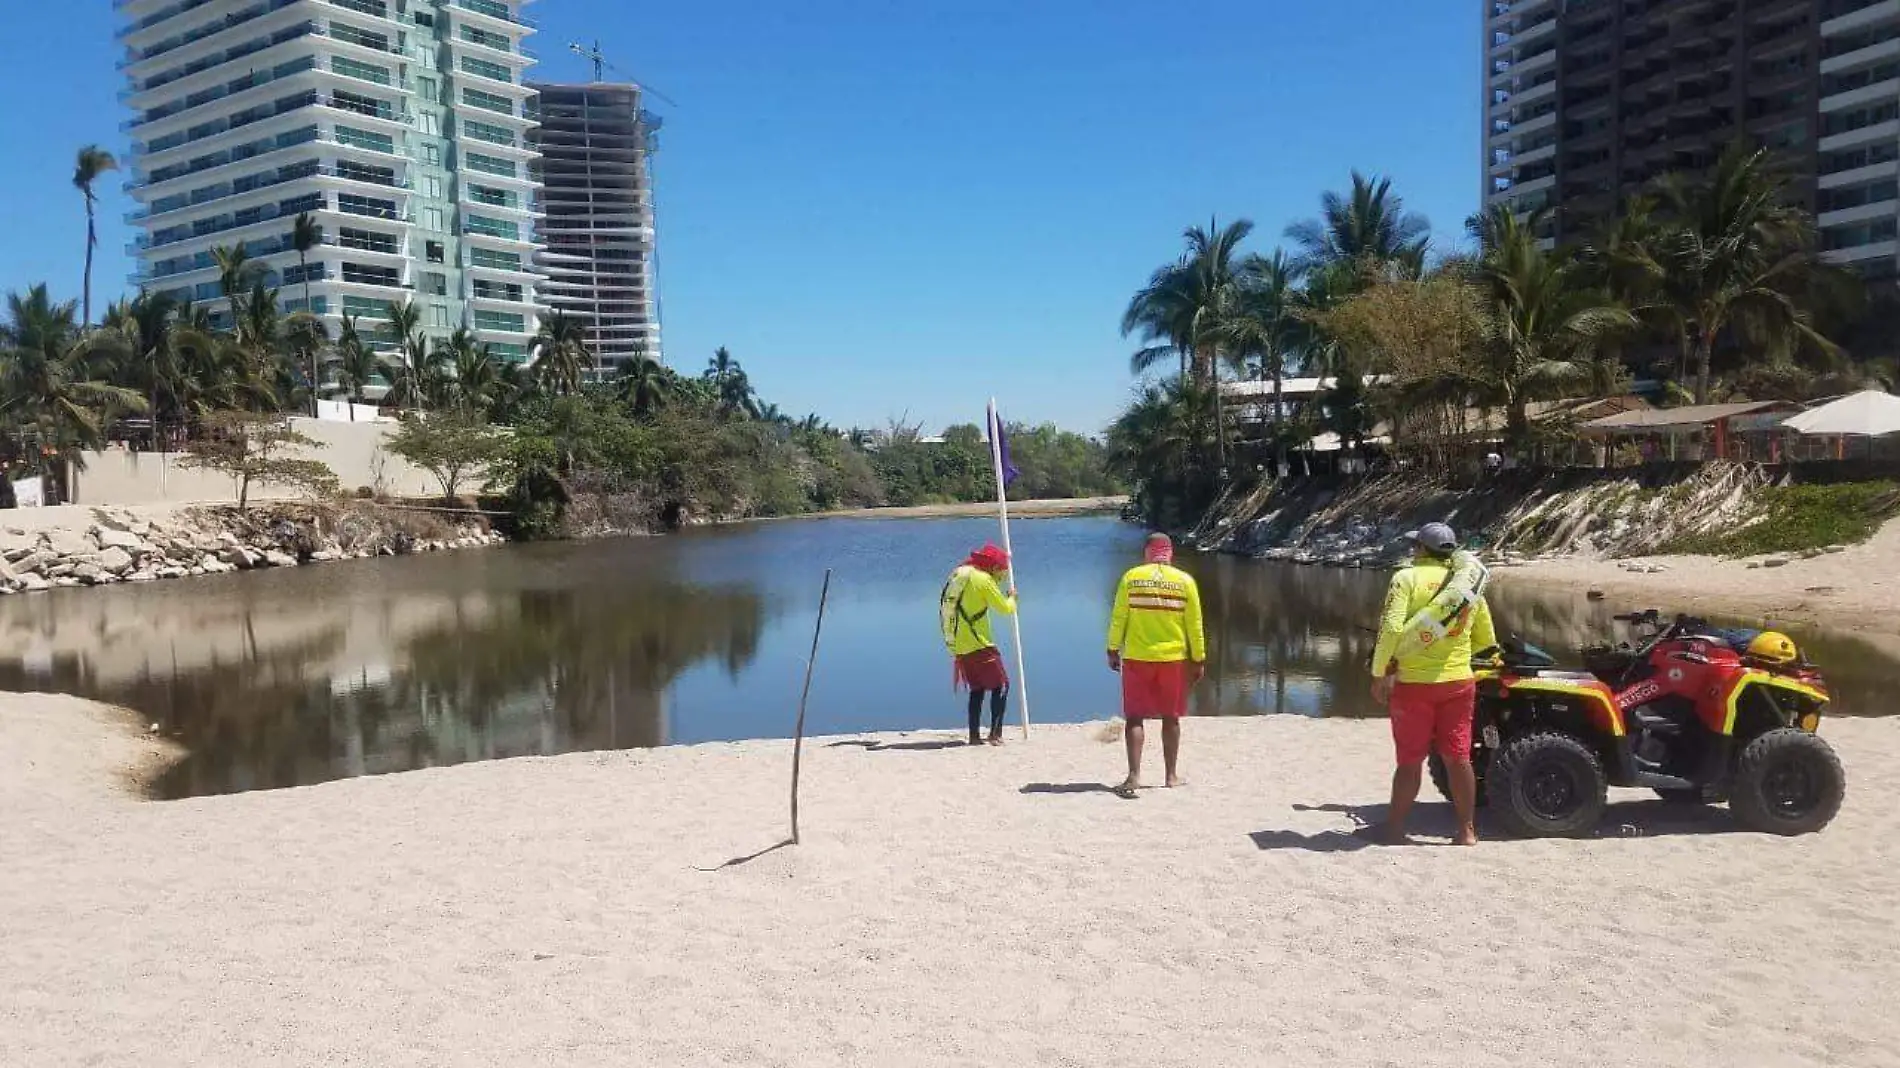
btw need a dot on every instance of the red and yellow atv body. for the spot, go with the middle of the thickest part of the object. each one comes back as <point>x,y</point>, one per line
<point>1685,714</point>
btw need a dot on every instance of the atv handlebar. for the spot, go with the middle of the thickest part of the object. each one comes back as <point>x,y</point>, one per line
<point>1652,618</point>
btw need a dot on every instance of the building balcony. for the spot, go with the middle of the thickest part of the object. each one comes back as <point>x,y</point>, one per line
<point>272,191</point>
<point>383,13</point>
<point>245,132</point>
<point>147,96</point>
<point>1879,209</point>
<point>1526,67</point>
<point>1877,131</point>
<point>1536,125</point>
<point>1871,15</point>
<point>156,22</point>
<point>526,275</point>
<point>1860,175</point>
<point>1862,57</point>
<point>229,234</point>
<point>519,152</point>
<point>487,16</point>
<point>396,251</point>
<point>1873,250</point>
<point>1534,94</point>
<point>526,302</point>
<point>1866,94</point>
<point>211,38</point>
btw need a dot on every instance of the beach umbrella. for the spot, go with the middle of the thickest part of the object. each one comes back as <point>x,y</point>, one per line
<point>1869,413</point>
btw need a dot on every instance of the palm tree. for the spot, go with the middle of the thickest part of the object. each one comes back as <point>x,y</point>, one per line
<point>357,363</point>
<point>1264,326</point>
<point>151,335</point>
<point>1736,255</point>
<point>1160,444</point>
<point>305,339</point>
<point>561,358</point>
<point>92,162</point>
<point>53,388</point>
<point>731,386</point>
<point>643,384</point>
<point>406,389</point>
<point>1178,312</point>
<point>1368,228</point>
<point>476,382</point>
<point>236,272</point>
<point>305,235</point>
<point>1547,320</point>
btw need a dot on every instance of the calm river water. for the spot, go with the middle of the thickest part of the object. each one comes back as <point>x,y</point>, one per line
<point>284,678</point>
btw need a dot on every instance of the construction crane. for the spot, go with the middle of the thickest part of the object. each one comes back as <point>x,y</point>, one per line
<point>599,59</point>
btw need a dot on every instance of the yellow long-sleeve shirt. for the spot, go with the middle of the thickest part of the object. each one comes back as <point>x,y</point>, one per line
<point>1157,616</point>
<point>1447,659</point>
<point>970,629</point>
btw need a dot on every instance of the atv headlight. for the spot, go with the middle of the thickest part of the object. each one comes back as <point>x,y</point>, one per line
<point>1811,722</point>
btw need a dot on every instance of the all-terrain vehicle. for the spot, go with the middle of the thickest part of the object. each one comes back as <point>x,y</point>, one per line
<point>1686,710</point>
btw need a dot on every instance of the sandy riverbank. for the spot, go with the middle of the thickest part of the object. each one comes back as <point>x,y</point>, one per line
<point>1038,509</point>
<point>949,907</point>
<point>1856,589</point>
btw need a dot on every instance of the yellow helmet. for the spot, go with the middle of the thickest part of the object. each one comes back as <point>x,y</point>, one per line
<point>1773,647</point>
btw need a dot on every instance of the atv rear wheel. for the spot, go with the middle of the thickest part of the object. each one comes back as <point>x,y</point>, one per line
<point>1787,782</point>
<point>1547,785</point>
<point>1442,779</point>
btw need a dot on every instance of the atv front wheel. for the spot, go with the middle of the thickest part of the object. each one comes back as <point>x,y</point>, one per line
<point>1787,782</point>
<point>1547,785</point>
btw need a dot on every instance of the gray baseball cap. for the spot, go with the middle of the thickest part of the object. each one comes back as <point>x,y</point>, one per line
<point>1434,537</point>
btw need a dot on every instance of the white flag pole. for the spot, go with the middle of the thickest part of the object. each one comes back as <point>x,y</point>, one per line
<point>1002,516</point>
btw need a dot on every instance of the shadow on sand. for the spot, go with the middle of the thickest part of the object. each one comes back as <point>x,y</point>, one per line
<point>1436,820</point>
<point>900,747</point>
<point>747,859</point>
<point>1067,788</point>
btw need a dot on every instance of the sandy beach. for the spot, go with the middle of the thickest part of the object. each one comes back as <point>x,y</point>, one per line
<point>1855,589</point>
<point>949,907</point>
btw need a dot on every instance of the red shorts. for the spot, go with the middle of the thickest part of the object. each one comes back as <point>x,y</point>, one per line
<point>981,670</point>
<point>1154,690</point>
<point>1424,713</point>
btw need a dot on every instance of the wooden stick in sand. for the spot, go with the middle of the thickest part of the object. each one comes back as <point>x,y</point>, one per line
<point>798,732</point>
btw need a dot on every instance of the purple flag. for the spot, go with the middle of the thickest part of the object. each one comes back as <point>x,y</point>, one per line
<point>1002,447</point>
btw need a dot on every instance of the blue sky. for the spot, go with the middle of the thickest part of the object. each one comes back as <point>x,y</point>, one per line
<point>902,207</point>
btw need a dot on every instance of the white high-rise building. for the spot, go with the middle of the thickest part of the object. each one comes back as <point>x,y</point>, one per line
<point>401,127</point>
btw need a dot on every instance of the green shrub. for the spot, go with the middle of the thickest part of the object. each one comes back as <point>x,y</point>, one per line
<point>1794,518</point>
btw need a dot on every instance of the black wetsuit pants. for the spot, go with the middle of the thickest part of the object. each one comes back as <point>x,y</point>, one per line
<point>998,698</point>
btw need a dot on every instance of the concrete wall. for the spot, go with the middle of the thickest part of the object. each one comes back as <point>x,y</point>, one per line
<point>353,450</point>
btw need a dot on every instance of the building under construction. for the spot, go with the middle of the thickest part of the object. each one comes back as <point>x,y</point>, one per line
<point>596,170</point>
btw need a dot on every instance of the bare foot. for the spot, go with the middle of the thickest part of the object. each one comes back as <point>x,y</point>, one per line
<point>1127,789</point>
<point>996,739</point>
<point>1466,838</point>
<point>1384,836</point>
<point>1176,780</point>
<point>974,740</point>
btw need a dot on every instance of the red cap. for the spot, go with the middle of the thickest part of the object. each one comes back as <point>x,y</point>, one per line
<point>990,558</point>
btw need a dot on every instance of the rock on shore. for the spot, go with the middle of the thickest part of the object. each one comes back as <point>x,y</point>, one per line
<point>121,545</point>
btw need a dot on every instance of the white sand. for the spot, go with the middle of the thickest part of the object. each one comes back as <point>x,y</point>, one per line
<point>1858,588</point>
<point>551,912</point>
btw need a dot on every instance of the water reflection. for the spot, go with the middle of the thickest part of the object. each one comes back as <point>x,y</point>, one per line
<point>289,678</point>
<point>294,677</point>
